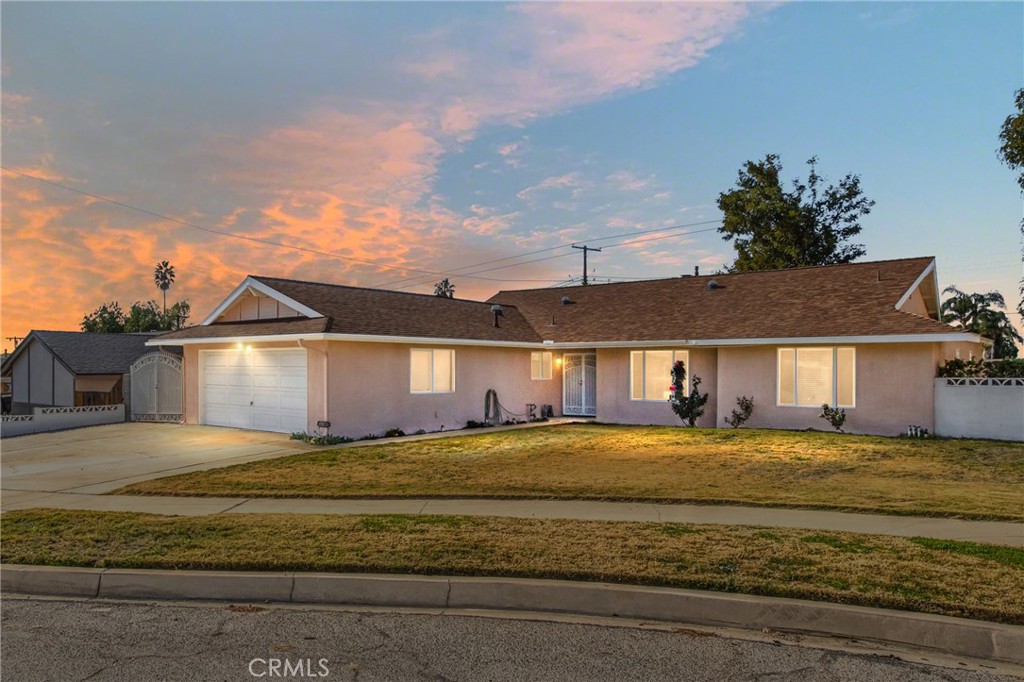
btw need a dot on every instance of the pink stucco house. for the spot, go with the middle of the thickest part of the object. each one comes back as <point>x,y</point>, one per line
<point>283,355</point>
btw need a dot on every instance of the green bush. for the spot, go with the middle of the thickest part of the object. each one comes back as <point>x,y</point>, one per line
<point>741,415</point>
<point>327,439</point>
<point>1007,368</point>
<point>837,418</point>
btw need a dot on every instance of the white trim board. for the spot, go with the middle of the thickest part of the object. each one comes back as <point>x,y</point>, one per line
<point>952,336</point>
<point>930,270</point>
<point>251,282</point>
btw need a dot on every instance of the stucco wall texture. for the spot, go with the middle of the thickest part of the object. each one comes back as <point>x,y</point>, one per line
<point>363,388</point>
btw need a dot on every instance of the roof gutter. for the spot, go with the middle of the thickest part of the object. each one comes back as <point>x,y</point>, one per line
<point>774,341</point>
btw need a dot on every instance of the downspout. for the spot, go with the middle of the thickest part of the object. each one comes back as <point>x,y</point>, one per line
<point>327,368</point>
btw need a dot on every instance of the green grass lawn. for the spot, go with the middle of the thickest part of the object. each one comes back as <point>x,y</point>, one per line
<point>944,577</point>
<point>966,478</point>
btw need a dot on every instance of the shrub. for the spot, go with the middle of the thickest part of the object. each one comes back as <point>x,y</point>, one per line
<point>474,424</point>
<point>327,439</point>
<point>690,407</point>
<point>370,436</point>
<point>394,432</point>
<point>741,415</point>
<point>1006,368</point>
<point>962,368</point>
<point>834,417</point>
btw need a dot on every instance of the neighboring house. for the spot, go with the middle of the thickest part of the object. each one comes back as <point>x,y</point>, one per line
<point>72,369</point>
<point>283,355</point>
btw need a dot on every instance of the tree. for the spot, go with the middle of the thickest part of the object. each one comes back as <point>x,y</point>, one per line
<point>163,276</point>
<point>146,316</point>
<point>1011,151</point>
<point>809,225</point>
<point>444,289</point>
<point>982,314</point>
<point>1012,154</point>
<point>107,319</point>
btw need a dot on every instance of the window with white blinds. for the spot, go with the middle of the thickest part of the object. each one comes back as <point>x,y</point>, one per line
<point>540,366</point>
<point>651,373</point>
<point>812,377</point>
<point>431,371</point>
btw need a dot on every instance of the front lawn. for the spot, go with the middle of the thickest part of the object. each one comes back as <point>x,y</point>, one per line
<point>944,577</point>
<point>967,478</point>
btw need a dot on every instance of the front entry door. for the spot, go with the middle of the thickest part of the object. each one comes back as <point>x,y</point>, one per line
<point>579,385</point>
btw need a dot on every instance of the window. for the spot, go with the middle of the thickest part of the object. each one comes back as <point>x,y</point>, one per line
<point>431,371</point>
<point>540,366</point>
<point>650,373</point>
<point>812,377</point>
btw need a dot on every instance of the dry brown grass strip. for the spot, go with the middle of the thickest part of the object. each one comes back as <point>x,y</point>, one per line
<point>943,577</point>
<point>968,478</point>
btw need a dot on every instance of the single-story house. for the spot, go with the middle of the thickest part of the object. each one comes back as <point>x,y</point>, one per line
<point>286,355</point>
<point>72,369</point>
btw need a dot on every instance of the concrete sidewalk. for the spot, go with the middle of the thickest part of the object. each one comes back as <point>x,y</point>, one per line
<point>993,532</point>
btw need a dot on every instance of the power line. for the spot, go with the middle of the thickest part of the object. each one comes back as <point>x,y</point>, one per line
<point>422,272</point>
<point>257,240</point>
<point>563,246</point>
<point>555,248</point>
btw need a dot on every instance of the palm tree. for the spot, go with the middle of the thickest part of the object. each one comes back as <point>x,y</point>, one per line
<point>982,314</point>
<point>164,277</point>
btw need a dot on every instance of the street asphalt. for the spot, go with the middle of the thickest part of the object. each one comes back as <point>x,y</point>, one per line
<point>109,641</point>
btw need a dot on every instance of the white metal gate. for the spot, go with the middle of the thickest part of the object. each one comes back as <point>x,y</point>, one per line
<point>579,384</point>
<point>156,388</point>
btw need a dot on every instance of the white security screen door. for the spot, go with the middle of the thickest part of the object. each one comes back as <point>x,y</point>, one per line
<point>579,384</point>
<point>261,389</point>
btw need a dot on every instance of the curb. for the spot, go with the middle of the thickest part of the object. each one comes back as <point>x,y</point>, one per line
<point>955,636</point>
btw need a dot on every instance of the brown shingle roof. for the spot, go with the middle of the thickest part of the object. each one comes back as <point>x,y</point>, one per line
<point>355,310</point>
<point>855,299</point>
<point>223,330</point>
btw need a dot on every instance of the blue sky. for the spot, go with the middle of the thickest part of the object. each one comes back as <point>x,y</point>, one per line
<point>436,136</point>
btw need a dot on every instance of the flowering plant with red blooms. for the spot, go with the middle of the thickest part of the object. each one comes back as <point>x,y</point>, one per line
<point>689,406</point>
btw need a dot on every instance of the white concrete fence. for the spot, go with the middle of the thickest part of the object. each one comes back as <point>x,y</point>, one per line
<point>56,418</point>
<point>980,408</point>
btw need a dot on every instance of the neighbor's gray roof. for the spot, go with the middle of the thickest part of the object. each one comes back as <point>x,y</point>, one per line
<point>89,353</point>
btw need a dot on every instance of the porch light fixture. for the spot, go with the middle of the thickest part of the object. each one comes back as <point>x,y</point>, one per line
<point>558,361</point>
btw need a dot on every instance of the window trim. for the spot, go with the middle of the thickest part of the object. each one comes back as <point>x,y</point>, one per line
<point>796,383</point>
<point>676,355</point>
<point>433,383</point>
<point>550,365</point>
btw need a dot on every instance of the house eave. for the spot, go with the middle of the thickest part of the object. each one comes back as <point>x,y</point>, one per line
<point>251,282</point>
<point>774,341</point>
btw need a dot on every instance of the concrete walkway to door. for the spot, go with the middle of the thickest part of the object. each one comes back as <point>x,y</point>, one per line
<point>72,470</point>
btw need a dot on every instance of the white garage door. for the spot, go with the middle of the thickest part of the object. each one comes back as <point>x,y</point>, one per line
<point>256,389</point>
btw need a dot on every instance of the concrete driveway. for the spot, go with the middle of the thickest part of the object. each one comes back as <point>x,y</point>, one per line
<point>99,459</point>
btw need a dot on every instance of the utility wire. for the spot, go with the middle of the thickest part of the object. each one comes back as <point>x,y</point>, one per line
<point>563,255</point>
<point>258,240</point>
<point>561,246</point>
<point>422,272</point>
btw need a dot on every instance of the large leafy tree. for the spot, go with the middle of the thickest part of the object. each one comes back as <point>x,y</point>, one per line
<point>810,224</point>
<point>1011,151</point>
<point>146,316</point>
<point>982,314</point>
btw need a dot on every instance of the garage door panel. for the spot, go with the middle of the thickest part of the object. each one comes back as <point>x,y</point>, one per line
<point>258,389</point>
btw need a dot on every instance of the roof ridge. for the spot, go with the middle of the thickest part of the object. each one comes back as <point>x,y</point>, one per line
<point>377,289</point>
<point>723,274</point>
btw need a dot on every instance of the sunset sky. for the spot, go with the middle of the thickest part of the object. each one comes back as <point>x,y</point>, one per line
<point>433,137</point>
